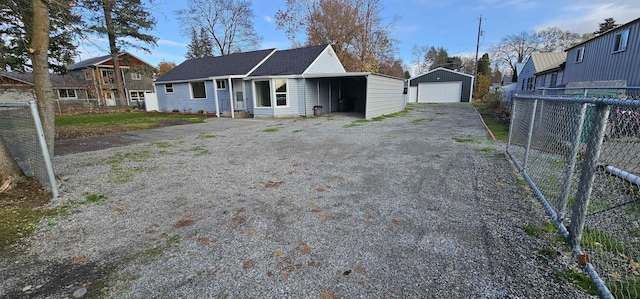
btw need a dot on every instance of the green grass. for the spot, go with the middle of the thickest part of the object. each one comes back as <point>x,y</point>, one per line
<point>162,144</point>
<point>463,140</point>
<point>600,240</point>
<point>205,136</point>
<point>121,169</point>
<point>270,130</point>
<point>160,249</point>
<point>496,122</point>
<point>580,279</point>
<point>625,289</point>
<point>200,151</point>
<point>486,149</point>
<point>94,198</point>
<point>417,121</point>
<point>537,231</point>
<point>134,119</point>
<point>297,131</point>
<point>356,123</point>
<point>17,223</point>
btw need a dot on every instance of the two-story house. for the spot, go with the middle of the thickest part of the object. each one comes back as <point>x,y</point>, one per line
<point>99,72</point>
<point>542,70</point>
<point>609,59</point>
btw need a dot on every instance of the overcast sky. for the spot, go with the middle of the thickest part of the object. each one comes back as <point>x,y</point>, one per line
<point>452,24</point>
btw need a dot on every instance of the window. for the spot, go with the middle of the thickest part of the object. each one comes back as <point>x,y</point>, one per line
<point>263,94</point>
<point>108,77</point>
<point>137,96</point>
<point>67,94</point>
<point>620,41</point>
<point>168,88</point>
<point>221,84</point>
<point>554,78</point>
<point>136,76</point>
<point>197,90</point>
<point>88,74</point>
<point>281,92</point>
<point>580,54</point>
<point>530,83</point>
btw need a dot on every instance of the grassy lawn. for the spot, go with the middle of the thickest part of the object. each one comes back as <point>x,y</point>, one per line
<point>74,126</point>
<point>497,122</point>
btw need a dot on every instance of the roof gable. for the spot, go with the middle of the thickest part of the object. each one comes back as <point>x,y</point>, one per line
<point>546,61</point>
<point>238,64</point>
<point>289,62</point>
<point>442,69</point>
<point>126,59</point>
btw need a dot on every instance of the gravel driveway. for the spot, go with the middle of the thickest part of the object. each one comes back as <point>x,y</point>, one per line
<point>417,206</point>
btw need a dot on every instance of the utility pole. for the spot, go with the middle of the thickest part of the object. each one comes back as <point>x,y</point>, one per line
<point>475,73</point>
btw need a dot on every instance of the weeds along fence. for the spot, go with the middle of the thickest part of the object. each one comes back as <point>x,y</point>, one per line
<point>22,132</point>
<point>581,156</point>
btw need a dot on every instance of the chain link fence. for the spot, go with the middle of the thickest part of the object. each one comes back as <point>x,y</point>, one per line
<point>581,156</point>
<point>21,130</point>
<point>88,106</point>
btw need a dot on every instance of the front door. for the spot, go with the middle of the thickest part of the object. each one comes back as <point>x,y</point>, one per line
<point>110,98</point>
<point>238,95</point>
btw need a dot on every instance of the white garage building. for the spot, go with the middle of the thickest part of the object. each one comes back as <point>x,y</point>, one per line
<point>441,85</point>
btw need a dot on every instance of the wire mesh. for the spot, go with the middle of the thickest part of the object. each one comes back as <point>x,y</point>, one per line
<point>555,158</point>
<point>17,129</point>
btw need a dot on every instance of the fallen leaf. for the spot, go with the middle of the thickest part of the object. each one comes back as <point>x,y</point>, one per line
<point>615,275</point>
<point>205,241</point>
<point>248,264</point>
<point>78,259</point>
<point>271,184</point>
<point>394,221</point>
<point>118,209</point>
<point>634,265</point>
<point>311,204</point>
<point>327,295</point>
<point>316,210</point>
<point>501,184</point>
<point>359,269</point>
<point>323,217</point>
<point>184,222</point>
<point>305,249</point>
<point>277,253</point>
<point>284,276</point>
<point>320,190</point>
<point>367,218</point>
<point>250,233</point>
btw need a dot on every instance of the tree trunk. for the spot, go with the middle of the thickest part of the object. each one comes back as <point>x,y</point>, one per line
<point>113,50</point>
<point>10,172</point>
<point>39,49</point>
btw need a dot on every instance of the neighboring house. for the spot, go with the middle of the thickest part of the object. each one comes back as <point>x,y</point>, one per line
<point>98,72</point>
<point>18,87</point>
<point>441,85</point>
<point>272,83</point>
<point>609,59</point>
<point>542,70</point>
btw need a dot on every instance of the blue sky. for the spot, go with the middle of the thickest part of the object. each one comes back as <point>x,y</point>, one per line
<point>452,24</point>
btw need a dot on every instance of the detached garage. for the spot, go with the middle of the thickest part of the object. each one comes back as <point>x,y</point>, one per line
<point>441,86</point>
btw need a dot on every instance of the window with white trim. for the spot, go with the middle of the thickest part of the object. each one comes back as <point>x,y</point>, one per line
<point>281,92</point>
<point>580,54</point>
<point>620,41</point>
<point>168,88</point>
<point>136,76</point>
<point>221,84</point>
<point>108,77</point>
<point>67,94</point>
<point>198,90</point>
<point>262,93</point>
<point>137,96</point>
<point>88,74</point>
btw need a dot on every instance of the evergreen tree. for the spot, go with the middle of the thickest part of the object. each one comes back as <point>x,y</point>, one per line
<point>483,65</point>
<point>125,23</point>
<point>200,45</point>
<point>608,24</point>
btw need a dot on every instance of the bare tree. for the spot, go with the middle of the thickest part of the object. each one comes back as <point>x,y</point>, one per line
<point>354,28</point>
<point>515,48</point>
<point>419,59</point>
<point>554,39</point>
<point>227,22</point>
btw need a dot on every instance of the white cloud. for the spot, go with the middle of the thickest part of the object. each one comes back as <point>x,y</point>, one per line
<point>166,42</point>
<point>583,18</point>
<point>268,19</point>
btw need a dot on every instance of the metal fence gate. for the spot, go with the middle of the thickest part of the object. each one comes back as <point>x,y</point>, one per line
<point>581,156</point>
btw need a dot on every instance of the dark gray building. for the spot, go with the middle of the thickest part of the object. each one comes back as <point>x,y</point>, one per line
<point>609,59</point>
<point>440,85</point>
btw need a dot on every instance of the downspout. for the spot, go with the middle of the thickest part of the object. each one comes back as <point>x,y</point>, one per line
<point>215,96</point>
<point>231,97</point>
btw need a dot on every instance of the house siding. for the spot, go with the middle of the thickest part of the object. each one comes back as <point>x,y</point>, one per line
<point>601,64</point>
<point>384,96</point>
<point>327,62</point>
<point>311,92</point>
<point>447,76</point>
<point>528,71</point>
<point>181,99</point>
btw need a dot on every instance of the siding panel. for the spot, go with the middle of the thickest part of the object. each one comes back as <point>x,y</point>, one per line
<point>601,64</point>
<point>327,62</point>
<point>384,96</point>
<point>528,71</point>
<point>180,98</point>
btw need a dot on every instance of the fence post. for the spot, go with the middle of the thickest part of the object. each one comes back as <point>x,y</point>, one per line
<point>43,146</point>
<point>589,168</point>
<point>513,116</point>
<point>571,165</point>
<point>530,134</point>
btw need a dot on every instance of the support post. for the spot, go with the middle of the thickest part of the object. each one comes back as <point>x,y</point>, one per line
<point>530,134</point>
<point>43,146</point>
<point>215,97</point>
<point>231,97</point>
<point>589,169</point>
<point>571,165</point>
<point>513,118</point>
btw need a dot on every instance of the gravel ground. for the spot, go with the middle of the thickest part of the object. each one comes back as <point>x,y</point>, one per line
<point>307,209</point>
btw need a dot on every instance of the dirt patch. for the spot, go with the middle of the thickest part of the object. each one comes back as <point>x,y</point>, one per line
<point>173,122</point>
<point>28,195</point>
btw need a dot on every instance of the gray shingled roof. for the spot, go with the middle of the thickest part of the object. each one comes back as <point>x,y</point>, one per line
<point>202,68</point>
<point>289,62</point>
<point>88,62</point>
<point>57,81</point>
